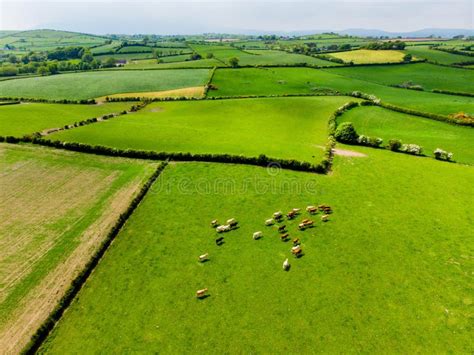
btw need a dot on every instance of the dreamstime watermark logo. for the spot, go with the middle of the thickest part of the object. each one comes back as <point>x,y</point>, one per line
<point>255,184</point>
<point>273,168</point>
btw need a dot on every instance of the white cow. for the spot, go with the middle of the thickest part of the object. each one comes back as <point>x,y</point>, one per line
<point>296,210</point>
<point>231,221</point>
<point>269,222</point>
<point>286,265</point>
<point>223,228</point>
<point>277,215</point>
<point>257,235</point>
<point>324,217</point>
<point>204,257</point>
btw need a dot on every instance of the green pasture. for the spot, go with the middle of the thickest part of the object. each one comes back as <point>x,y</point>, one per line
<point>378,122</point>
<point>89,85</point>
<point>291,128</point>
<point>22,119</point>
<point>390,271</point>
<point>429,76</point>
<point>436,56</point>
<point>281,81</point>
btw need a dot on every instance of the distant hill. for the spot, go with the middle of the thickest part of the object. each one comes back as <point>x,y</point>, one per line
<point>437,32</point>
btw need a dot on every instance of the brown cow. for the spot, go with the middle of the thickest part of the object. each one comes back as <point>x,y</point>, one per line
<point>201,293</point>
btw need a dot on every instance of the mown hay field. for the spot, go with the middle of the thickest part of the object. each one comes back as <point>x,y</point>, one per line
<point>281,81</point>
<point>388,271</point>
<point>290,128</point>
<point>101,83</point>
<point>378,122</point>
<point>367,56</point>
<point>27,118</point>
<point>57,207</point>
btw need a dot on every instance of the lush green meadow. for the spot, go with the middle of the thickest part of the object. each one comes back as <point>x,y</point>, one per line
<point>292,128</point>
<point>436,56</point>
<point>281,81</point>
<point>56,209</point>
<point>27,118</point>
<point>378,122</point>
<point>173,62</point>
<point>390,272</point>
<point>100,83</point>
<point>429,76</point>
<point>367,56</point>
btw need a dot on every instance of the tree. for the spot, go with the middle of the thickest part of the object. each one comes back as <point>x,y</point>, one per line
<point>8,71</point>
<point>42,70</point>
<point>109,62</point>
<point>52,68</point>
<point>195,56</point>
<point>209,55</point>
<point>346,133</point>
<point>407,58</point>
<point>87,57</point>
<point>234,62</point>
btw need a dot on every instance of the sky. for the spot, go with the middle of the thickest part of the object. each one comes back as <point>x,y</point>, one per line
<point>234,16</point>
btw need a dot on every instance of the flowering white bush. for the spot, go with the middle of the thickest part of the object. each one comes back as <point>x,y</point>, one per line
<point>414,149</point>
<point>441,154</point>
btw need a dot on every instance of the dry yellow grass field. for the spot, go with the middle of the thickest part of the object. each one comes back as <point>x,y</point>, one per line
<point>366,56</point>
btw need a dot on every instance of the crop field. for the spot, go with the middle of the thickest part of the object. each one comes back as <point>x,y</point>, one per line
<point>26,118</point>
<point>56,209</point>
<point>366,276</point>
<point>290,128</point>
<point>430,134</point>
<point>100,83</point>
<point>281,81</point>
<point>429,76</point>
<point>436,56</point>
<point>365,56</point>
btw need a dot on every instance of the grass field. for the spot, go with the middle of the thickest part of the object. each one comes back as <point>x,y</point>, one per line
<point>56,209</point>
<point>258,57</point>
<point>429,76</point>
<point>366,56</point>
<point>389,273</point>
<point>436,56</point>
<point>379,122</point>
<point>27,118</point>
<point>100,83</point>
<point>279,81</point>
<point>192,92</point>
<point>173,62</point>
<point>293,128</point>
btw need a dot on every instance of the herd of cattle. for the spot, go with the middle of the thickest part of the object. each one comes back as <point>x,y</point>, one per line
<point>296,250</point>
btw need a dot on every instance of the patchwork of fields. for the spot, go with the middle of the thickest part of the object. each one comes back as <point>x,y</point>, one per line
<point>389,272</point>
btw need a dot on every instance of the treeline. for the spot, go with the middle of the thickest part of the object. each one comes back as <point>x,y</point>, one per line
<point>41,334</point>
<point>397,45</point>
<point>61,101</point>
<point>261,160</point>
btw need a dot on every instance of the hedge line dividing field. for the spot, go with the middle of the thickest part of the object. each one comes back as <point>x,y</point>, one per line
<point>76,285</point>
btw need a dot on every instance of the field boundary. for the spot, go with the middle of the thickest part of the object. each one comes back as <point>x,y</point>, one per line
<point>76,285</point>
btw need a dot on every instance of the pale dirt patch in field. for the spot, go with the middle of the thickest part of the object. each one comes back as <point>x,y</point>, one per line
<point>33,197</point>
<point>194,91</point>
<point>348,153</point>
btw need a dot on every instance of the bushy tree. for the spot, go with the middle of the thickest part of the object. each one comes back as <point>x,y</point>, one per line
<point>234,62</point>
<point>407,58</point>
<point>346,133</point>
<point>394,145</point>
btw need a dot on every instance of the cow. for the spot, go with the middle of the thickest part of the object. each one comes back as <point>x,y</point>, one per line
<point>286,265</point>
<point>296,241</point>
<point>313,210</point>
<point>291,215</point>
<point>310,208</point>
<point>269,222</point>
<point>309,224</point>
<point>297,251</point>
<point>214,223</point>
<point>301,226</point>
<point>305,220</point>
<point>224,228</point>
<point>232,222</point>
<point>324,218</point>
<point>277,215</point>
<point>257,235</point>
<point>219,240</point>
<point>282,228</point>
<point>204,257</point>
<point>284,237</point>
<point>296,210</point>
<point>201,293</point>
